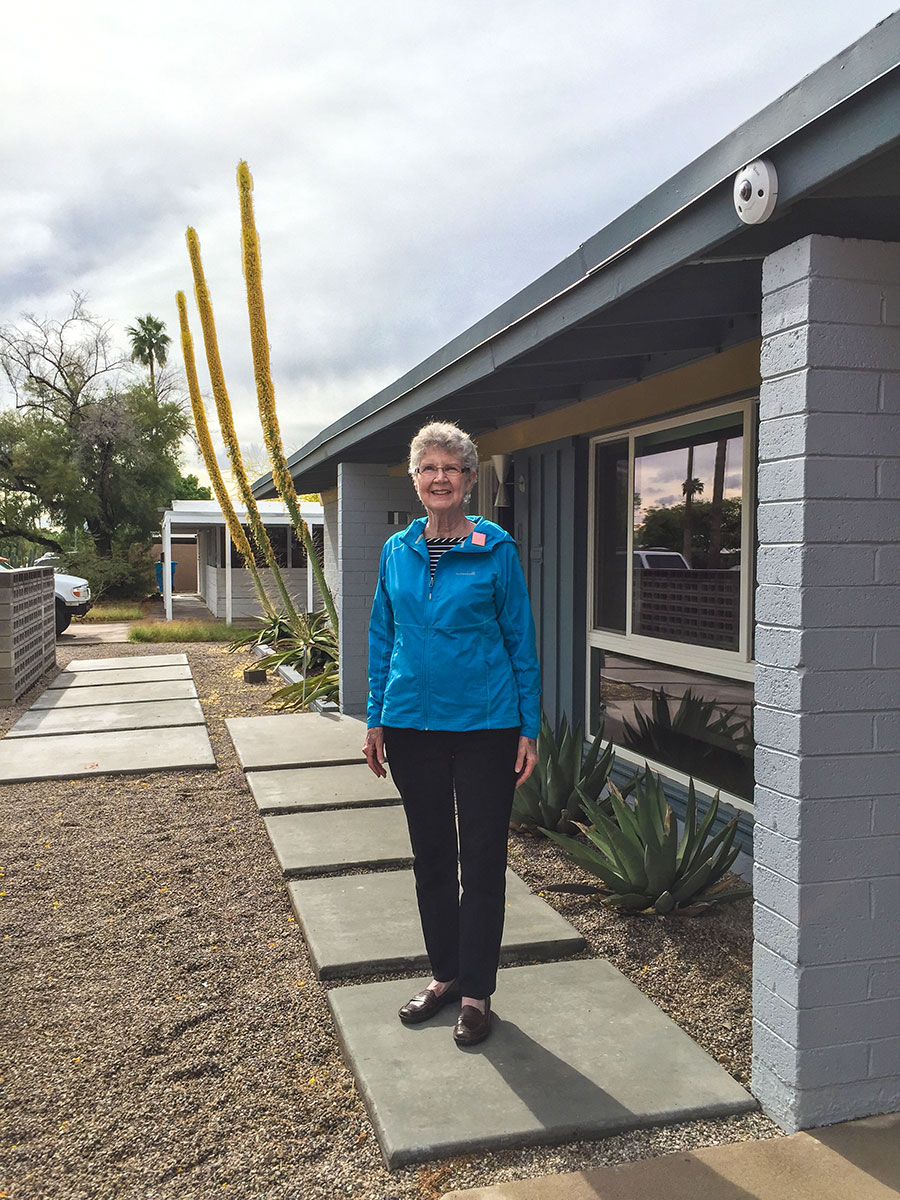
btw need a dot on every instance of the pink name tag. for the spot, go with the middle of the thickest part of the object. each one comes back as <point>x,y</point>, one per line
<point>478,539</point>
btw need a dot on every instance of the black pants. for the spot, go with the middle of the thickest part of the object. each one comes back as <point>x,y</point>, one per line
<point>430,767</point>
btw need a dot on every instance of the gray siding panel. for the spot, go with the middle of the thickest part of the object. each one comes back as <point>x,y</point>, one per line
<point>551,523</point>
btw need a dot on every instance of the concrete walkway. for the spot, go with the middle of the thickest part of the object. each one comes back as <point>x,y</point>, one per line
<point>112,716</point>
<point>577,1051</point>
<point>858,1160</point>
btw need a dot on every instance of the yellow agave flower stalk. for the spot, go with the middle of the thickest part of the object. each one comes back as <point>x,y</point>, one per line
<point>265,392</point>
<point>235,528</point>
<point>226,422</point>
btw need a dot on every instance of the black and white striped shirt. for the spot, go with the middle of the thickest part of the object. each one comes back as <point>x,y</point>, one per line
<point>437,547</point>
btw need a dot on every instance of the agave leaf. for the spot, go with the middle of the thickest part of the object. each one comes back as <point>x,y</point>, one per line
<point>594,781</point>
<point>645,811</point>
<point>707,822</point>
<point>659,869</point>
<point>659,862</point>
<point>693,884</point>
<point>720,844</point>
<point>526,809</point>
<point>690,827</point>
<point>664,903</point>
<point>588,859</point>
<point>557,789</point>
<point>601,834</point>
<point>591,760</point>
<point>707,901</point>
<point>589,806</point>
<point>630,901</point>
<point>659,807</point>
<point>627,820</point>
<point>627,855</point>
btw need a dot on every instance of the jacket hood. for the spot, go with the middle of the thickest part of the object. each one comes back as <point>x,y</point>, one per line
<point>414,534</point>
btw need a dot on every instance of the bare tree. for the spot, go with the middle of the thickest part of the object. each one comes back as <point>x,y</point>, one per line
<point>56,367</point>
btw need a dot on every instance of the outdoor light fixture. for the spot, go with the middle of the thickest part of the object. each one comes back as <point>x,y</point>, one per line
<point>501,467</point>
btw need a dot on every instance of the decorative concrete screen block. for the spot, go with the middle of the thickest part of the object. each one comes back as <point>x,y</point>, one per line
<point>828,702</point>
<point>27,629</point>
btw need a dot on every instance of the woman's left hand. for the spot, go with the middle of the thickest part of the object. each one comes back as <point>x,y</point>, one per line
<point>526,759</point>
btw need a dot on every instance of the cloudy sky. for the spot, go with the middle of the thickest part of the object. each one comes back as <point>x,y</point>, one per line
<point>415,162</point>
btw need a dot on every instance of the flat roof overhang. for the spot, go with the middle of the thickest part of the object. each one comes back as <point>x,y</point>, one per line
<point>673,280</point>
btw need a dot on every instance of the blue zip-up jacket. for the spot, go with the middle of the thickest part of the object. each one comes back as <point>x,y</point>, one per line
<point>460,653</point>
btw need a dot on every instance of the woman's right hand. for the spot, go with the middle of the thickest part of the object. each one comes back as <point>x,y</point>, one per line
<point>373,749</point>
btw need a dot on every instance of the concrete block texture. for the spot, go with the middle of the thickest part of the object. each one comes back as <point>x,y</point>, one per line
<point>823,300</point>
<point>835,390</point>
<point>795,1108</point>
<point>366,494</point>
<point>827,722</point>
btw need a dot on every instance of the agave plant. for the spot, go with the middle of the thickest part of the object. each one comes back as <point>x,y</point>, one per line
<point>551,798</point>
<point>272,629</point>
<point>323,686</point>
<point>640,860</point>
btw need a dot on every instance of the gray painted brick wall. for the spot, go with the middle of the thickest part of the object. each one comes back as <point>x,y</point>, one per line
<point>366,494</point>
<point>826,991</point>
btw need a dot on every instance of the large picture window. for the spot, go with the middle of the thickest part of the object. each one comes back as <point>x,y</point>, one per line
<point>672,552</point>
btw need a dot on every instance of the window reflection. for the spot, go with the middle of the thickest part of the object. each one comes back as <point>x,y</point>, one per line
<point>687,533</point>
<point>697,723</point>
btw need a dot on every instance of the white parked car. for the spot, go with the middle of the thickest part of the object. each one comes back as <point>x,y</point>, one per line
<point>73,599</point>
<point>658,558</point>
<point>73,594</point>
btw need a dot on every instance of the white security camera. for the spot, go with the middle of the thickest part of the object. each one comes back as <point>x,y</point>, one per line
<point>755,192</point>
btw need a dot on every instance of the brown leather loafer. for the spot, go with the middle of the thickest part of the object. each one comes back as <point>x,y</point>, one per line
<point>473,1025</point>
<point>425,1004</point>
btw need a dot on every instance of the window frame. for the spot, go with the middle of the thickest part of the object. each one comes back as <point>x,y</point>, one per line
<point>729,664</point>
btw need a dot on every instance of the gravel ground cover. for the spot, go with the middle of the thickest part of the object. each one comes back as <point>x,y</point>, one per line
<point>163,1034</point>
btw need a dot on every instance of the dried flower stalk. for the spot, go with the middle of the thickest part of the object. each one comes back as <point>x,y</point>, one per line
<point>265,392</point>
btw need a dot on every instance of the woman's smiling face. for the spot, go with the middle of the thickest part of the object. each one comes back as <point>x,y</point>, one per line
<point>440,491</point>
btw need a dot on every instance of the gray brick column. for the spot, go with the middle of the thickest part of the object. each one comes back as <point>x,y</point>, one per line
<point>826,990</point>
<point>366,494</point>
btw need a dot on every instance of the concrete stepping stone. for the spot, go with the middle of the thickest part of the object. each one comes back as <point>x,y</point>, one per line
<point>369,924</point>
<point>132,662</point>
<point>297,740</point>
<point>92,679</point>
<point>119,693</point>
<point>97,718</point>
<point>299,789</point>
<point>66,756</point>
<point>313,843</point>
<point>577,1051</point>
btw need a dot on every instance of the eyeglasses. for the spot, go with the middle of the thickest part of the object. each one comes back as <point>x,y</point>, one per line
<point>451,472</point>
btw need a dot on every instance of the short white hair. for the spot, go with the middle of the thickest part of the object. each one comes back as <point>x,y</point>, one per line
<point>444,435</point>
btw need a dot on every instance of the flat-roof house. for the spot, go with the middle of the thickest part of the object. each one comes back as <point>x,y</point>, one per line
<point>692,427</point>
<point>222,582</point>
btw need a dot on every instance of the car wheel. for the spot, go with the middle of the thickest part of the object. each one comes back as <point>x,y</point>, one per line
<point>63,618</point>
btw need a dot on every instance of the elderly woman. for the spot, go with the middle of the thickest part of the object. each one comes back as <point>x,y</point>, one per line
<point>454,706</point>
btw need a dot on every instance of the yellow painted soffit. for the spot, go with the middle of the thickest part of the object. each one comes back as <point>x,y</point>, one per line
<point>713,378</point>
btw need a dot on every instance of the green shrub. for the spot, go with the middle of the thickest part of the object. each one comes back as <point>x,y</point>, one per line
<point>126,574</point>
<point>640,861</point>
<point>551,797</point>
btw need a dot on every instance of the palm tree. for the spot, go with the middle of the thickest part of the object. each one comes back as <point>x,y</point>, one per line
<point>691,487</point>
<point>149,343</point>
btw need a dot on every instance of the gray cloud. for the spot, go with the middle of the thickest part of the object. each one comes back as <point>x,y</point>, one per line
<point>414,164</point>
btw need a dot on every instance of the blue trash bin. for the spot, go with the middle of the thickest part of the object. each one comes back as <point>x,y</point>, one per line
<point>159,579</point>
